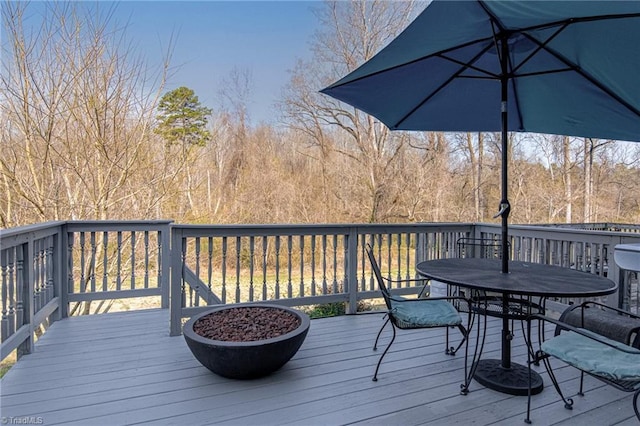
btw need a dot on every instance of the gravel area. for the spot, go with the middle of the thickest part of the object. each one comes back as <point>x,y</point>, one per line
<point>246,324</point>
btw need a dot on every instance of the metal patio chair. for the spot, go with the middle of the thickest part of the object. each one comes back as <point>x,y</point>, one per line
<point>598,340</point>
<point>404,314</point>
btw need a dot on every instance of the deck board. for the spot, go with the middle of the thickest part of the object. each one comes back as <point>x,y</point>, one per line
<point>124,368</point>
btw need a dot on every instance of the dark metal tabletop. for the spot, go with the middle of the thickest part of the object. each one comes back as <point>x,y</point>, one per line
<point>524,278</point>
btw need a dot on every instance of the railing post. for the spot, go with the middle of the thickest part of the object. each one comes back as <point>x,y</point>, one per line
<point>176,283</point>
<point>165,265</point>
<point>351,272</point>
<point>26,276</point>
<point>61,277</point>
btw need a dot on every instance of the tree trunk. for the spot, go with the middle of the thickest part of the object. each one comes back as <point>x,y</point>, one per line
<point>566,173</point>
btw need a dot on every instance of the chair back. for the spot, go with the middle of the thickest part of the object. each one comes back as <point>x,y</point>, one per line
<point>486,248</point>
<point>376,271</point>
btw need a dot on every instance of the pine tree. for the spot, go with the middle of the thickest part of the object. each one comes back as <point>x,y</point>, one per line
<point>182,119</point>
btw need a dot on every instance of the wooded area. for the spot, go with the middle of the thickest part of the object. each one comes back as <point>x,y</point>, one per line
<point>79,141</point>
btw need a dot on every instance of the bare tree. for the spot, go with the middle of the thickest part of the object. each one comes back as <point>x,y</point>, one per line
<point>590,148</point>
<point>351,33</point>
<point>77,110</point>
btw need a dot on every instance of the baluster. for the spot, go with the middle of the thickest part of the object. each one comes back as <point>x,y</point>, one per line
<point>70,287</point>
<point>324,264</point>
<point>146,260</point>
<point>372,284</point>
<point>301,266</point>
<point>209,263</point>
<point>552,252</point>
<point>434,244</point>
<point>596,259</point>
<point>313,265</point>
<point>289,265</point>
<point>183,286</point>
<point>251,265</point>
<point>238,250</point>
<point>12,290</point>
<point>399,255</point>
<point>36,265</point>
<point>188,288</point>
<point>197,272</point>
<point>345,256</point>
<point>264,267</point>
<point>50,269</point>
<point>408,259</point>
<point>277,296</point>
<point>82,264</point>
<point>362,243</point>
<point>18,312</point>
<point>224,269</point>
<point>119,261</point>
<point>160,259</point>
<point>4,329</point>
<point>42,254</point>
<point>105,261</point>
<point>93,261</point>
<point>533,251</point>
<point>389,261</point>
<point>579,255</point>
<point>335,264</point>
<point>133,260</point>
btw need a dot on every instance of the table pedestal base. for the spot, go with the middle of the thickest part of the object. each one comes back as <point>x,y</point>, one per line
<point>514,381</point>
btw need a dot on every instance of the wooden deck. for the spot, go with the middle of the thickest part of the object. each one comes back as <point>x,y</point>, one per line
<point>123,368</point>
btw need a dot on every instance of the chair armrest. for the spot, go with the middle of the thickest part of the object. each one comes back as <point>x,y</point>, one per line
<point>426,299</point>
<point>450,299</point>
<point>390,280</point>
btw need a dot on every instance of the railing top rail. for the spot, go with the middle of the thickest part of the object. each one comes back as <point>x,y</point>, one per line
<point>557,232</point>
<point>29,229</point>
<point>318,229</point>
<point>122,225</point>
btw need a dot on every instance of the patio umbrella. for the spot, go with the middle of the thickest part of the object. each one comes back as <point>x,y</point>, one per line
<point>558,67</point>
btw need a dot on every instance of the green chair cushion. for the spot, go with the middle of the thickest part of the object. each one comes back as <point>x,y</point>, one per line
<point>594,357</point>
<point>424,313</point>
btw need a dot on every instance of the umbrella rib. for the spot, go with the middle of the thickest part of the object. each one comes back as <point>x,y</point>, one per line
<point>469,65</point>
<point>595,82</point>
<point>464,66</point>
<point>540,46</point>
<point>563,24</point>
<point>576,20</point>
<point>413,61</point>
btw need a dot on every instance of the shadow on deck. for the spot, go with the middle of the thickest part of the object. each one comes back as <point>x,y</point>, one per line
<point>123,368</point>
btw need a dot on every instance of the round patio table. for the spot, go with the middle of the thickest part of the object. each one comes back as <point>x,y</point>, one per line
<point>523,281</point>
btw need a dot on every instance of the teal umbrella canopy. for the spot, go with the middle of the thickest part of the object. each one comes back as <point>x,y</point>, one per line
<point>557,67</point>
<point>570,67</point>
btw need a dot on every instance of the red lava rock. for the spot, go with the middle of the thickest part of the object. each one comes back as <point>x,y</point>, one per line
<point>246,324</point>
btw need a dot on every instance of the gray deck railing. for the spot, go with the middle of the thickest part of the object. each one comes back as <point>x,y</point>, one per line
<point>56,269</point>
<point>295,265</point>
<point>31,290</point>
<point>52,270</point>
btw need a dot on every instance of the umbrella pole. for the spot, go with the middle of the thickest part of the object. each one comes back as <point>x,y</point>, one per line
<point>505,207</point>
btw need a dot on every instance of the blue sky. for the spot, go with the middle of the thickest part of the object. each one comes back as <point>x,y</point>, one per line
<point>213,37</point>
